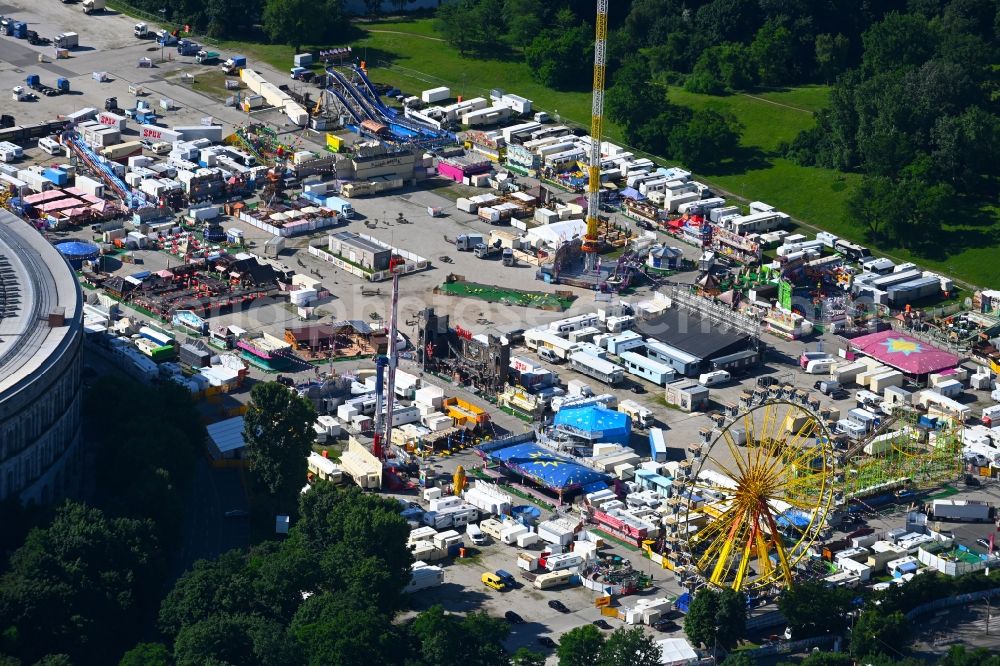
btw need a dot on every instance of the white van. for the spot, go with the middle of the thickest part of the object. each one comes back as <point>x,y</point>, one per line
<point>161,147</point>
<point>51,146</point>
<point>549,355</point>
<point>475,534</point>
<point>713,378</point>
<point>820,366</point>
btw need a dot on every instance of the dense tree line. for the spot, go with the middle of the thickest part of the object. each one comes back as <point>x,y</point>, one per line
<point>712,46</point>
<point>328,594</point>
<point>918,117</point>
<point>216,18</point>
<point>88,577</point>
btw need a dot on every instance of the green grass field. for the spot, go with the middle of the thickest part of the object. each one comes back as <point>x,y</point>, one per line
<point>407,54</point>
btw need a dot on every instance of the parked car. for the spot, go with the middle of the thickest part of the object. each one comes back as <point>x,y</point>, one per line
<point>557,605</point>
<point>602,624</point>
<point>666,625</point>
<point>547,642</point>
<point>983,542</point>
<point>237,513</point>
<point>637,388</point>
<point>513,617</point>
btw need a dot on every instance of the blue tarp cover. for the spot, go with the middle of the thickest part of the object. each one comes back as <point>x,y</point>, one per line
<point>548,468</point>
<point>607,424</point>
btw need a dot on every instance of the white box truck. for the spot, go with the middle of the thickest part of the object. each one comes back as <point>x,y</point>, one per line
<point>641,416</point>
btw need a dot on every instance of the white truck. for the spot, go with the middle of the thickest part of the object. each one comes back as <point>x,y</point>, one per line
<point>66,40</point>
<point>641,417</point>
<point>141,30</point>
<point>468,242</point>
<point>91,6</point>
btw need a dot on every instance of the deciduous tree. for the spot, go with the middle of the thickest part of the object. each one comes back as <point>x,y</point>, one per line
<point>300,22</point>
<point>79,586</point>
<point>708,138</point>
<point>359,542</point>
<point>235,639</point>
<point>333,628</point>
<point>876,633</point>
<point>278,432</point>
<point>562,58</point>
<point>580,646</point>
<point>147,654</point>
<point>813,609</point>
<point>716,618</point>
<point>630,647</point>
<point>832,52</point>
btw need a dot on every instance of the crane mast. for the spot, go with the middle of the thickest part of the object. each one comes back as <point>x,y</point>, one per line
<point>590,246</point>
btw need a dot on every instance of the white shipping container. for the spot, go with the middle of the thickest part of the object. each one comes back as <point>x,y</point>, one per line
<point>90,186</point>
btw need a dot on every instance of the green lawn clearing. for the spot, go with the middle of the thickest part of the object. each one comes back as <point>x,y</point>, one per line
<point>494,294</point>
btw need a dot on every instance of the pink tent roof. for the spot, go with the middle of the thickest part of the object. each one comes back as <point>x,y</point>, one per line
<point>904,353</point>
<point>61,204</point>
<point>42,197</point>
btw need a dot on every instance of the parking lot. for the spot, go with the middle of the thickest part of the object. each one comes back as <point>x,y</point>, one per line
<point>463,591</point>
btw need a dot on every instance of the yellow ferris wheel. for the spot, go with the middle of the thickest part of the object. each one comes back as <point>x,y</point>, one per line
<point>757,496</point>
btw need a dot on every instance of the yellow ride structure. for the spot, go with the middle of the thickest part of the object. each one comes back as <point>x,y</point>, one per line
<point>757,496</point>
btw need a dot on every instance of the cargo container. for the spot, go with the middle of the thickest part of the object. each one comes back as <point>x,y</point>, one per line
<point>435,95</point>
<point>154,133</point>
<point>657,445</point>
<point>344,208</point>
<point>57,176</point>
<point>89,185</point>
<point>879,383</point>
<point>913,291</point>
<point>122,151</point>
<point>468,242</point>
<point>191,132</point>
<point>194,356</point>
<point>990,415</point>
<point>949,388</point>
<point>961,510</point>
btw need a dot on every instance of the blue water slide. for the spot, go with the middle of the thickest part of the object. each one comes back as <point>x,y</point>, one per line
<point>347,105</point>
<point>134,198</point>
<point>373,94</point>
<point>365,105</point>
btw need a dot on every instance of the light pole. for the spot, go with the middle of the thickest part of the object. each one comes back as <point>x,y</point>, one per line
<point>163,11</point>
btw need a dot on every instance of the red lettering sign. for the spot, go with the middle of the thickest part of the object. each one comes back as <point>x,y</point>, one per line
<point>107,120</point>
<point>151,133</point>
